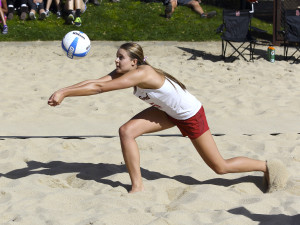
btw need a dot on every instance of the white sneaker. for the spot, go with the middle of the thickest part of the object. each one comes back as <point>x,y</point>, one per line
<point>47,13</point>
<point>32,16</point>
<point>58,14</point>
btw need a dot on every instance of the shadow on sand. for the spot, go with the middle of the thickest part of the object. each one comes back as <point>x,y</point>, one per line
<point>100,172</point>
<point>258,54</point>
<point>204,55</point>
<point>266,219</point>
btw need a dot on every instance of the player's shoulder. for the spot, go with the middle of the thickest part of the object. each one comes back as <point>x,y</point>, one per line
<point>146,68</point>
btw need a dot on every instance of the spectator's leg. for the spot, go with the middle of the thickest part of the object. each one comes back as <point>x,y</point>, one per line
<point>4,7</point>
<point>83,6</point>
<point>174,5</point>
<point>58,7</point>
<point>2,16</point>
<point>5,28</point>
<point>32,14</point>
<point>33,9</point>
<point>42,11</point>
<point>170,7</point>
<point>11,9</point>
<point>196,7</point>
<point>69,7</point>
<point>47,9</point>
<point>78,5</point>
<point>24,9</point>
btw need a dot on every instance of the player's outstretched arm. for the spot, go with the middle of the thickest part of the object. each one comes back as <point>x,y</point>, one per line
<point>92,87</point>
<point>105,78</point>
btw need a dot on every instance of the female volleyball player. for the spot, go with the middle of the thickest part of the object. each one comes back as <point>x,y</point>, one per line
<point>171,105</point>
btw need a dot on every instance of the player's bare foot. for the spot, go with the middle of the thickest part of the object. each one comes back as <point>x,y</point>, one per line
<point>135,189</point>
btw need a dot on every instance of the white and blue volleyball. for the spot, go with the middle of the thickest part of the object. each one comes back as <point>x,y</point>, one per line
<point>76,44</point>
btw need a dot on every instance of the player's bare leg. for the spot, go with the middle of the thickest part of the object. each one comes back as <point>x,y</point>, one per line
<point>209,152</point>
<point>148,121</point>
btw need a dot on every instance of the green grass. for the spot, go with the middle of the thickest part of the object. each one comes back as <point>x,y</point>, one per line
<point>128,20</point>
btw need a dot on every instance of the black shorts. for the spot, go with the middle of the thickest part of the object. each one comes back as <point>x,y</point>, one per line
<point>183,2</point>
<point>36,7</point>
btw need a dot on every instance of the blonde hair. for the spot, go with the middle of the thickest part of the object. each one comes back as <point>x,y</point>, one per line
<point>135,51</point>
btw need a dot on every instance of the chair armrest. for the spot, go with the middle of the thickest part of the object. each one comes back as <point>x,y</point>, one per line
<point>257,30</point>
<point>220,28</point>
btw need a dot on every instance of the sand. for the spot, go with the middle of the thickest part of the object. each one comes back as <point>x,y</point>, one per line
<point>64,165</point>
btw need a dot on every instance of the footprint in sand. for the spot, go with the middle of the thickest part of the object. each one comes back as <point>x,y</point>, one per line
<point>5,154</point>
<point>70,114</point>
<point>72,145</point>
<point>176,193</point>
<point>4,197</point>
<point>53,182</point>
<point>75,182</point>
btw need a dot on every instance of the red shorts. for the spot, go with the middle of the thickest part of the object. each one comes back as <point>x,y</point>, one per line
<point>193,127</point>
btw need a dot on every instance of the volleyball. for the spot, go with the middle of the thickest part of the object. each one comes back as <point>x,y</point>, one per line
<point>76,44</point>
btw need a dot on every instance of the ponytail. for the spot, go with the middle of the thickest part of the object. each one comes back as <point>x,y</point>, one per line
<point>170,77</point>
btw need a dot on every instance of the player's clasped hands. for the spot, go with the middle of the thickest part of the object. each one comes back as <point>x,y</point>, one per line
<point>55,99</point>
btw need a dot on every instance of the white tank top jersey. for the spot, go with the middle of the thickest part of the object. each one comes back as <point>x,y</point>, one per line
<point>171,99</point>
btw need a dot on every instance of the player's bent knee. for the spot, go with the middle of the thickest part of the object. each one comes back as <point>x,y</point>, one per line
<point>125,131</point>
<point>219,170</point>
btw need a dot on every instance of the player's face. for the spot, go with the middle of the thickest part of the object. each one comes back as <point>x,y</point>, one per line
<point>123,62</point>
